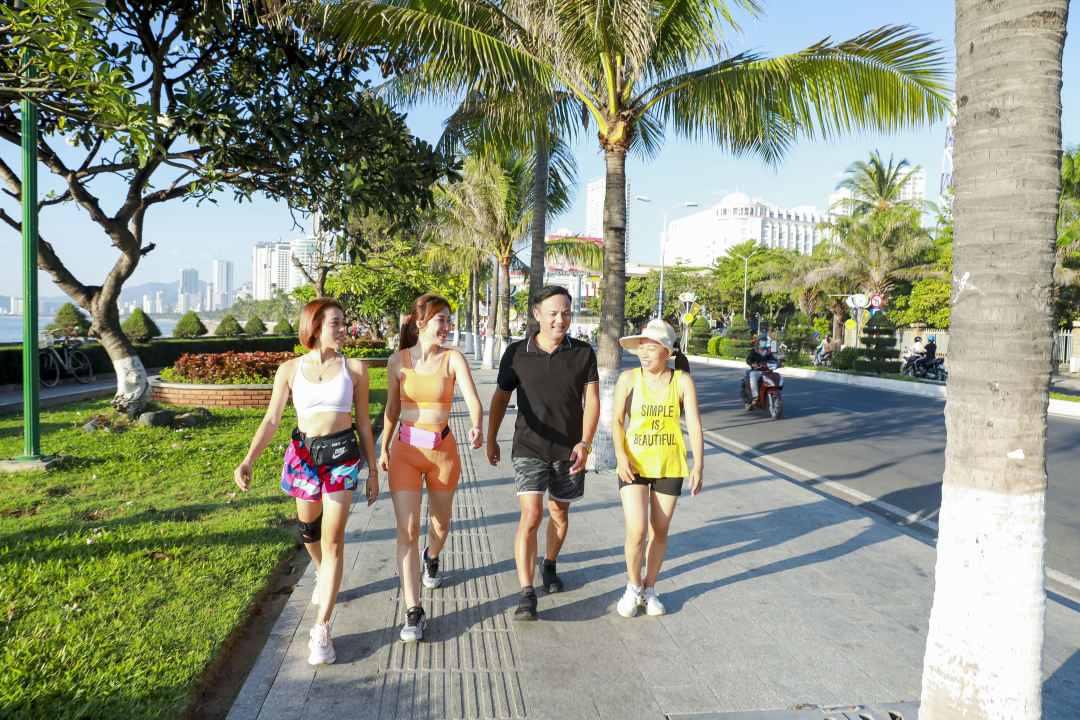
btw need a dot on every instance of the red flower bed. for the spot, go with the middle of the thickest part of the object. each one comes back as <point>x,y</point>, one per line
<point>229,368</point>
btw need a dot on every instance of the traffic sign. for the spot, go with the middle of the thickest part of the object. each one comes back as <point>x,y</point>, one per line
<point>861,301</point>
<point>850,324</point>
<point>688,318</point>
<point>850,302</point>
<point>874,311</point>
<point>876,301</point>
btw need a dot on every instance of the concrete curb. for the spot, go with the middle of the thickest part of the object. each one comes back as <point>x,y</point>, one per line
<point>1064,408</point>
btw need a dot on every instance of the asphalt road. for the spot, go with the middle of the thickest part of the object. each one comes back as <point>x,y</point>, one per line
<point>885,445</point>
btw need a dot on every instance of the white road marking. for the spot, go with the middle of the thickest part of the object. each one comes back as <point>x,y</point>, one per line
<point>851,412</point>
<point>862,497</point>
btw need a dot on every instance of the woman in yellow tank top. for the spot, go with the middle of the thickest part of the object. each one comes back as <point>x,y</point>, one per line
<point>652,457</point>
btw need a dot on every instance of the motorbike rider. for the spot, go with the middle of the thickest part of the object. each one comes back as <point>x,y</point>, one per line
<point>759,355</point>
<point>929,353</point>
<point>825,348</point>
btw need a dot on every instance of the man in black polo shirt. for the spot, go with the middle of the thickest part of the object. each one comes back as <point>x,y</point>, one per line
<point>552,374</point>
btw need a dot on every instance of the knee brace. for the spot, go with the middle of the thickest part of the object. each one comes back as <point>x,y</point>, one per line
<point>310,532</point>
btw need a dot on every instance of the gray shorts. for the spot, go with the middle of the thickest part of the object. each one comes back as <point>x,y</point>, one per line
<point>536,477</point>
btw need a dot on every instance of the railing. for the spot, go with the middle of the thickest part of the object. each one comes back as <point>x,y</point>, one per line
<point>1063,349</point>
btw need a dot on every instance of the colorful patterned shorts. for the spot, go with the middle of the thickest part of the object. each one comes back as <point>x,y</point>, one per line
<point>302,479</point>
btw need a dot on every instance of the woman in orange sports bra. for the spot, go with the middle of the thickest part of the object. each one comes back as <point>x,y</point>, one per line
<point>420,382</point>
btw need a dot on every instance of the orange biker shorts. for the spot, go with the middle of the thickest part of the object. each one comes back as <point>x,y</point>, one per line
<point>411,466</point>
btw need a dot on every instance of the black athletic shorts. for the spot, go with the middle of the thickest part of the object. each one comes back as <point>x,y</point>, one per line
<point>664,486</point>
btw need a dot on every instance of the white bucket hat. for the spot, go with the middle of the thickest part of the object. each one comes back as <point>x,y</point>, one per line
<point>657,330</point>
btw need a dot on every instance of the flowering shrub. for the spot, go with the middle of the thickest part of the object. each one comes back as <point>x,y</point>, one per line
<point>228,368</point>
<point>364,343</point>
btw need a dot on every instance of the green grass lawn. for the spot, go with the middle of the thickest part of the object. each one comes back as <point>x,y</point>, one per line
<point>1062,396</point>
<point>122,573</point>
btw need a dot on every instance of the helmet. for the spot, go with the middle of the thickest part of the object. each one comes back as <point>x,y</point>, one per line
<point>919,339</point>
<point>930,338</point>
<point>762,336</point>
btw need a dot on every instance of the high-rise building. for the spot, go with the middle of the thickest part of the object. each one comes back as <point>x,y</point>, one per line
<point>208,299</point>
<point>914,188</point>
<point>702,237</point>
<point>306,251</point>
<point>161,303</point>
<point>594,210</point>
<point>271,266</point>
<point>223,285</point>
<point>189,283</point>
<point>147,304</point>
<point>16,306</point>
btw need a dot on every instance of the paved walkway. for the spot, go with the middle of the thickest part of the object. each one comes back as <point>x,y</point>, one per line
<point>778,598</point>
<point>12,402</point>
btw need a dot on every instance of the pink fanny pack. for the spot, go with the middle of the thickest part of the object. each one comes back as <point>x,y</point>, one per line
<point>418,437</point>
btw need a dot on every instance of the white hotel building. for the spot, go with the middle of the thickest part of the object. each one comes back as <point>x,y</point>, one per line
<point>914,188</point>
<point>702,237</point>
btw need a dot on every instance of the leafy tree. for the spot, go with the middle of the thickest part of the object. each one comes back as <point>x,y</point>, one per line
<point>255,326</point>
<point>279,305</point>
<point>214,101</point>
<point>189,326</point>
<point>765,266</point>
<point>875,187</point>
<point>637,68</point>
<point>879,346</point>
<point>738,340</point>
<point>71,321</point>
<point>140,327</point>
<point>283,327</point>
<point>228,327</point>
<point>928,304</point>
<point>872,252</point>
<point>799,334</point>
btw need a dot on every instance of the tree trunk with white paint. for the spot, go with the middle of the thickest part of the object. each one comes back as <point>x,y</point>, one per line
<point>469,293</point>
<point>984,649</point>
<point>492,321</point>
<point>612,304</point>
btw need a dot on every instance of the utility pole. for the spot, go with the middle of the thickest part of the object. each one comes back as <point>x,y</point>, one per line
<point>746,272</point>
<point>663,247</point>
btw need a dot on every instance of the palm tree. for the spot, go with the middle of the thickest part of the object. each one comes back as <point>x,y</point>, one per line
<point>872,252</point>
<point>984,647</point>
<point>875,187</point>
<point>489,213</point>
<point>639,66</point>
<point>1068,242</point>
<point>789,272</point>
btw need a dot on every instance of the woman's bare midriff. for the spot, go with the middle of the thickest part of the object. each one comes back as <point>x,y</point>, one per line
<point>425,417</point>
<point>325,423</point>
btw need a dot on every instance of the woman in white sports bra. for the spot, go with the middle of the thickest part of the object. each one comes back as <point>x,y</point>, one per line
<point>322,464</point>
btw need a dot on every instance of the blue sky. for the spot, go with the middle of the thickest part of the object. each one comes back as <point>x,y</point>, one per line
<point>192,237</point>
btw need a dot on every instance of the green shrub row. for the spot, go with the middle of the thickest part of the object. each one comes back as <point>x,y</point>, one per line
<point>158,353</point>
<point>354,352</point>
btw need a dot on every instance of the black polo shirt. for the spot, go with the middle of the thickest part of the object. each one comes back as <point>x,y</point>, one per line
<point>550,391</point>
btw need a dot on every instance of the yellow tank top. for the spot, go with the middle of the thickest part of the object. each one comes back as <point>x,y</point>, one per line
<point>654,438</point>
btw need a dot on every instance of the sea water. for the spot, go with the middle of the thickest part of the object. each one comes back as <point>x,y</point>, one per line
<point>11,327</point>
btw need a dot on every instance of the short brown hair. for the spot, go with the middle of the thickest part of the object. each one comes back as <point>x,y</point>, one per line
<point>311,319</point>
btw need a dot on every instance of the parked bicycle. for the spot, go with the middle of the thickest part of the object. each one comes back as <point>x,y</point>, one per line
<point>64,359</point>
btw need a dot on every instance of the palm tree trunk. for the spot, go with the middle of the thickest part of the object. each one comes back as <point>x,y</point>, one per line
<point>478,343</point>
<point>492,320</point>
<point>504,306</point>
<point>470,297</point>
<point>612,304</point>
<point>537,265</point>
<point>984,648</point>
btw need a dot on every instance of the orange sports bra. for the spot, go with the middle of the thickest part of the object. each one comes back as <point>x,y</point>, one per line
<point>424,392</point>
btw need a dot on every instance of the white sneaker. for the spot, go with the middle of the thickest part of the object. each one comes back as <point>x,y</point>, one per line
<point>413,631</point>
<point>628,603</point>
<point>653,606</point>
<point>315,590</point>
<point>321,646</point>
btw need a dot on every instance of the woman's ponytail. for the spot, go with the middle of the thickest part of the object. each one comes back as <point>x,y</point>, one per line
<point>410,333</point>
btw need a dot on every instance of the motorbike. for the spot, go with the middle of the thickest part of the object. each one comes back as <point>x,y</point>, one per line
<point>769,391</point>
<point>825,361</point>
<point>934,370</point>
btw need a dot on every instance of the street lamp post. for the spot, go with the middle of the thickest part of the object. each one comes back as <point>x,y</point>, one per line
<point>746,270</point>
<point>663,246</point>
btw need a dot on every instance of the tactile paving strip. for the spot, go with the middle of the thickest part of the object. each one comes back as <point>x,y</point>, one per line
<point>467,665</point>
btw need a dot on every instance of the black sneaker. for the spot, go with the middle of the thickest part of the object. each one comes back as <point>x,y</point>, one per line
<point>526,609</point>
<point>431,577</point>
<point>414,625</point>
<point>552,583</point>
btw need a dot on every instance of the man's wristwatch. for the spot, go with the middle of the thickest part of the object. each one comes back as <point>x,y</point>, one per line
<point>588,446</point>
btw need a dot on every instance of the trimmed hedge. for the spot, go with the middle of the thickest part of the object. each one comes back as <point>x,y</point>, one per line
<point>879,351</point>
<point>353,352</point>
<point>158,353</point>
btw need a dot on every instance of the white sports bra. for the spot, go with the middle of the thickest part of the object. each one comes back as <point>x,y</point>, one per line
<point>335,395</point>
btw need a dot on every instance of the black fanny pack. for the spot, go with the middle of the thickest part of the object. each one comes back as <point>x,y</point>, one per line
<point>336,449</point>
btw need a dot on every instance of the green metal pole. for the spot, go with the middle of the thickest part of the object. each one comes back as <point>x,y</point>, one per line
<point>30,286</point>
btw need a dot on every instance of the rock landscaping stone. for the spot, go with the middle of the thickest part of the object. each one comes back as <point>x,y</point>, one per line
<point>185,420</point>
<point>161,418</point>
<point>91,426</point>
<point>202,413</point>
